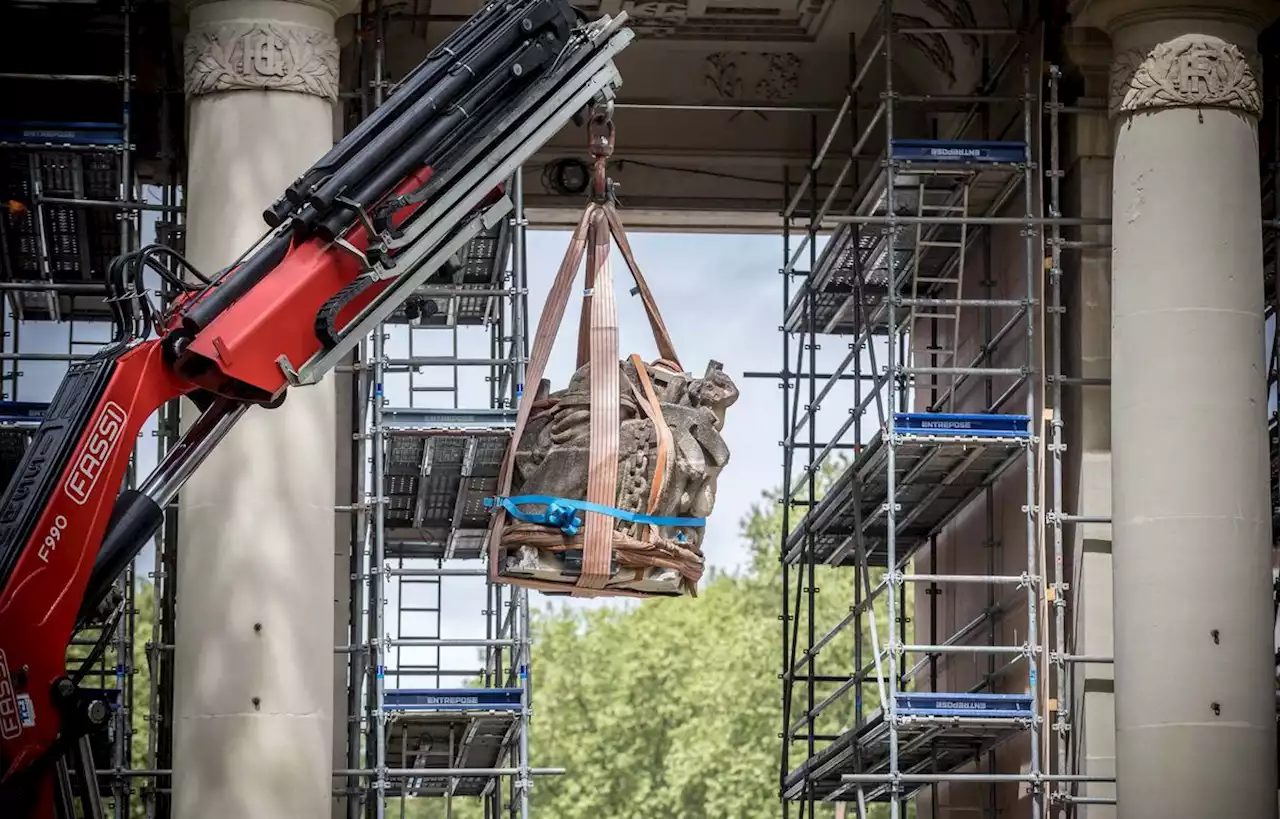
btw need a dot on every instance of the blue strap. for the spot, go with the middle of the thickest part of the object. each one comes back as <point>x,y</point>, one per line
<point>562,513</point>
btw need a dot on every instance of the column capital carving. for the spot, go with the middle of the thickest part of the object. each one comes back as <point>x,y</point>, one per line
<point>264,55</point>
<point>1189,71</point>
<point>335,8</point>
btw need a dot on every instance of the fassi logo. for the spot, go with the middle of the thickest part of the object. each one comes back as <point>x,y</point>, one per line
<point>10,722</point>
<point>93,456</point>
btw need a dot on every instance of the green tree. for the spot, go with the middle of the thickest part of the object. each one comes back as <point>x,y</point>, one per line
<point>673,708</point>
<point>667,708</point>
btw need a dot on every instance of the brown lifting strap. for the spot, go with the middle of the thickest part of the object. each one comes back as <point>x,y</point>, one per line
<point>597,345</point>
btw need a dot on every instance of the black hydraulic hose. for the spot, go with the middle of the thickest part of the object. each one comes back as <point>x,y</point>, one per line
<point>418,152</point>
<point>557,15</point>
<point>391,142</point>
<point>120,318</point>
<point>164,250</point>
<point>412,86</point>
<point>445,159</point>
<point>446,163</point>
<point>235,283</point>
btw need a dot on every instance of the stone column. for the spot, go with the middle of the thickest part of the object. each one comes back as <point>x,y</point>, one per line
<point>1194,697</point>
<point>254,668</point>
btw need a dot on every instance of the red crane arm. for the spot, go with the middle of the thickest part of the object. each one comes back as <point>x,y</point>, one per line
<point>373,220</point>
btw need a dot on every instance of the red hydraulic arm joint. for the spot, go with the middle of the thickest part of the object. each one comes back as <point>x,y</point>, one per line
<point>237,354</point>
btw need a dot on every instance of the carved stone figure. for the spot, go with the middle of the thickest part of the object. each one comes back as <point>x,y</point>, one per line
<point>553,455</point>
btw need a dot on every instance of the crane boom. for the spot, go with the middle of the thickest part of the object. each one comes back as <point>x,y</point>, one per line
<point>347,242</point>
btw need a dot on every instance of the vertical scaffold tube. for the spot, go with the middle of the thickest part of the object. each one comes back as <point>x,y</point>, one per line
<point>519,276</point>
<point>890,707</point>
<point>377,577</point>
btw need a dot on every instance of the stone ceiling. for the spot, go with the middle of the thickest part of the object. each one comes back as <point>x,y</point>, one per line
<point>722,169</point>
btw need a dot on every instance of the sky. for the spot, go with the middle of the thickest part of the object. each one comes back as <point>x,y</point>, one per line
<point>721,297</point>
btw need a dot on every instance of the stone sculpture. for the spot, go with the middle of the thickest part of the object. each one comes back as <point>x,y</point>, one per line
<point>552,458</point>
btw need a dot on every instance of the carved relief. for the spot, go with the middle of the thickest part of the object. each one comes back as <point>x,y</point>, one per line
<point>781,78</point>
<point>957,14</point>
<point>1190,71</point>
<point>933,46</point>
<point>740,75</point>
<point>261,55</point>
<point>656,18</point>
<point>553,458</point>
<point>771,21</point>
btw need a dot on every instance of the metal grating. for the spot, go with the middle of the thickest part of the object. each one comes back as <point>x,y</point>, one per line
<point>466,298</point>
<point>18,421</point>
<point>448,739</point>
<point>440,467</point>
<point>69,244</point>
<point>924,746</point>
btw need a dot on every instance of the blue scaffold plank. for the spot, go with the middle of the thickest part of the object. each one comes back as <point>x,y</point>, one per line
<point>453,699</point>
<point>22,412</point>
<point>931,704</point>
<point>982,425</point>
<point>62,133</point>
<point>958,150</point>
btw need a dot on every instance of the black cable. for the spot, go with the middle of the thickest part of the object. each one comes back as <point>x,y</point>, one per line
<point>155,249</point>
<point>123,315</point>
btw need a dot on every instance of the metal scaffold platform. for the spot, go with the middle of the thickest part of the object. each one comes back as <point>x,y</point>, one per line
<point>434,461</point>
<point>936,732</point>
<point>466,729</point>
<point>18,420</point>
<point>943,461</point>
<point>466,294</point>
<point>440,467</point>
<point>952,178</point>
<point>441,378</point>
<point>48,235</point>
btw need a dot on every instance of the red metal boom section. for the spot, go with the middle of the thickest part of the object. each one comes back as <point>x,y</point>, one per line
<point>38,606</point>
<point>277,316</point>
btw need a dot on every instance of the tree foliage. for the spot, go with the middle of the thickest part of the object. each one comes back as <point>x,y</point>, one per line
<point>671,707</point>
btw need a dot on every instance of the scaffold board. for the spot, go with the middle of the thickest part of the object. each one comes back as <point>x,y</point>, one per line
<point>986,425</point>
<point>958,150</point>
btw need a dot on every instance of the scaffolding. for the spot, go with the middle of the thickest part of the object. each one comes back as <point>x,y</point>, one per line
<point>82,185</point>
<point>423,724</point>
<point>951,348</point>
<point>904,268</point>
